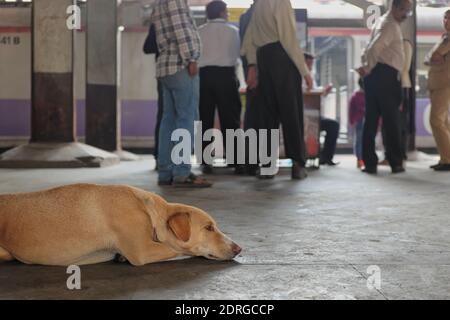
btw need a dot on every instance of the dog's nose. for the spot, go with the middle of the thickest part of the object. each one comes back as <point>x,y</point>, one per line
<point>236,249</point>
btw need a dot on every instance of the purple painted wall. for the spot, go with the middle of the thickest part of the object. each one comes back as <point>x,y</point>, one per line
<point>138,118</point>
<point>421,106</point>
<point>15,118</point>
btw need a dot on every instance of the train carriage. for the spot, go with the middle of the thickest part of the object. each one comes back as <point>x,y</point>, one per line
<point>336,35</point>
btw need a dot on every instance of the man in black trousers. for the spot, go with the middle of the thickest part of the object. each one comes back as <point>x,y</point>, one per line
<point>219,86</point>
<point>252,114</point>
<point>383,63</point>
<point>271,43</point>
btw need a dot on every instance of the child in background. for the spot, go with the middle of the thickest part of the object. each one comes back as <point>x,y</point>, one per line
<point>356,114</point>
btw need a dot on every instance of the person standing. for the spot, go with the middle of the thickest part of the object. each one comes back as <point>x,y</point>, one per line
<point>406,87</point>
<point>151,47</point>
<point>252,114</point>
<point>176,69</point>
<point>405,108</point>
<point>356,118</point>
<point>439,87</point>
<point>383,63</point>
<point>219,86</point>
<point>276,66</point>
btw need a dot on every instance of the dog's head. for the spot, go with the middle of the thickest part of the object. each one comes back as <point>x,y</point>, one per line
<point>193,232</point>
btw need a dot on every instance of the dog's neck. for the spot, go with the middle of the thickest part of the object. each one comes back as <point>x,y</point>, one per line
<point>155,236</point>
<point>158,218</point>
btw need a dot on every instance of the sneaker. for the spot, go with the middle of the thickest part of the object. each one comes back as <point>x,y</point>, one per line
<point>360,164</point>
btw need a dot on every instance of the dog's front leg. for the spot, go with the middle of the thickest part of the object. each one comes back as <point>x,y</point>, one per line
<point>5,255</point>
<point>149,252</point>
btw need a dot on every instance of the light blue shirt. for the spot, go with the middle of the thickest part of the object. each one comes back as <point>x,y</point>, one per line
<point>220,44</point>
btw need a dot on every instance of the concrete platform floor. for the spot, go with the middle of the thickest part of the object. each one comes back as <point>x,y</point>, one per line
<point>302,240</point>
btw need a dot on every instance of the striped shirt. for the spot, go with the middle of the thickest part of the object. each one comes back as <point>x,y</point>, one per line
<point>177,36</point>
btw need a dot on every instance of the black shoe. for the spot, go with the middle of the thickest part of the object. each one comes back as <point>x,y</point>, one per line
<point>207,169</point>
<point>298,171</point>
<point>398,169</point>
<point>264,176</point>
<point>330,163</point>
<point>435,166</point>
<point>261,176</point>
<point>162,183</point>
<point>442,167</point>
<point>369,170</point>
<point>252,170</point>
<point>240,170</point>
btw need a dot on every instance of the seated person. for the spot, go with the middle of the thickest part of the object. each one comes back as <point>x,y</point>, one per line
<point>331,127</point>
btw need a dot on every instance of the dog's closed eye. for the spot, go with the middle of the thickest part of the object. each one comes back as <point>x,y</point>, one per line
<point>210,228</point>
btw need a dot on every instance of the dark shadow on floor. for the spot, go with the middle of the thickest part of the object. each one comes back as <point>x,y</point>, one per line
<point>105,281</point>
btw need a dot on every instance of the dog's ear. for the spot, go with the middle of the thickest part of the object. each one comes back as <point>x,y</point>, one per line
<point>180,225</point>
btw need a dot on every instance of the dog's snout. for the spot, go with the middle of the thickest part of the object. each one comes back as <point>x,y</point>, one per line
<point>236,249</point>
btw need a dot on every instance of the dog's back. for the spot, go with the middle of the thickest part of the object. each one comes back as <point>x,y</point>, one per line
<point>62,223</point>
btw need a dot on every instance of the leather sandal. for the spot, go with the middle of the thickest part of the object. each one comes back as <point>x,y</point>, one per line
<point>192,181</point>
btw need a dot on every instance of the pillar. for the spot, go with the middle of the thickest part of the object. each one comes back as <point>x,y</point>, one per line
<point>102,70</point>
<point>53,142</point>
<point>52,110</point>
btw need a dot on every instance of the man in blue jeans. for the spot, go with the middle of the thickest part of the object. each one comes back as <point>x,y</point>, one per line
<point>176,69</point>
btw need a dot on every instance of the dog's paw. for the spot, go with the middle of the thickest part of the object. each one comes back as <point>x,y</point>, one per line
<point>120,259</point>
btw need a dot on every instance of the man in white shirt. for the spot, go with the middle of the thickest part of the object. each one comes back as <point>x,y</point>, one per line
<point>271,43</point>
<point>219,86</point>
<point>405,108</point>
<point>383,64</point>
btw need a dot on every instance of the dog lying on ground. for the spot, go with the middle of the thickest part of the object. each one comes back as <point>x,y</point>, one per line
<point>87,224</point>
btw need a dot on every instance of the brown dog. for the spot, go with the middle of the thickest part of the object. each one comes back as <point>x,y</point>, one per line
<point>86,224</point>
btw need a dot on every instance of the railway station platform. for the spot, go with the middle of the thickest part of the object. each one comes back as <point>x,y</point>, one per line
<point>323,238</point>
